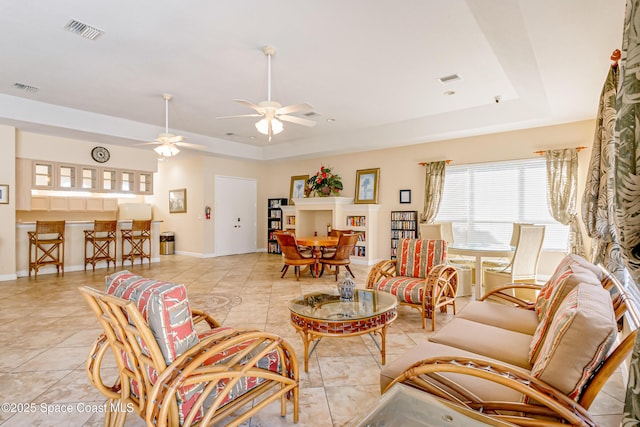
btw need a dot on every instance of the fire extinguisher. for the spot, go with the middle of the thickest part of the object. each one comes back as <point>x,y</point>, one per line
<point>207,212</point>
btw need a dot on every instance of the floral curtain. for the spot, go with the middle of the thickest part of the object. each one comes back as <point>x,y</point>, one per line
<point>598,199</point>
<point>627,181</point>
<point>433,186</point>
<point>562,188</point>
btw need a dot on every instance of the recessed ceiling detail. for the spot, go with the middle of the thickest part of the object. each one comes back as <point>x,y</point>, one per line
<point>83,30</point>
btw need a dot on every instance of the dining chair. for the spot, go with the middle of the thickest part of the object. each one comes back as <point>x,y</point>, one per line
<point>523,267</point>
<point>431,231</point>
<point>513,241</point>
<point>464,265</point>
<point>291,255</point>
<point>341,256</point>
<point>334,233</point>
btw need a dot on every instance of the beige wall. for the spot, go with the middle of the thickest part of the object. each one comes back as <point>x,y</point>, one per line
<point>8,211</point>
<point>399,169</point>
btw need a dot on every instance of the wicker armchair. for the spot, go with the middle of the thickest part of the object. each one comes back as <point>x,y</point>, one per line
<point>420,277</point>
<point>511,393</point>
<point>173,376</point>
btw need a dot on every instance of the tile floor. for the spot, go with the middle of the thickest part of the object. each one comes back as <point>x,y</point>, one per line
<point>46,330</point>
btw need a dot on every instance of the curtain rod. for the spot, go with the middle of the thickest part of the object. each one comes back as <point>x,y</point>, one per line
<point>541,152</point>
<point>424,163</point>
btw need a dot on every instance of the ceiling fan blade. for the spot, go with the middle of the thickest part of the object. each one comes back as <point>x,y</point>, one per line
<point>297,120</point>
<point>251,105</point>
<point>177,138</point>
<point>293,108</point>
<point>190,145</point>
<point>150,143</point>
<point>240,115</point>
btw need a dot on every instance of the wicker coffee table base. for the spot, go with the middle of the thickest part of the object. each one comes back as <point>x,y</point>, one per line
<point>313,329</point>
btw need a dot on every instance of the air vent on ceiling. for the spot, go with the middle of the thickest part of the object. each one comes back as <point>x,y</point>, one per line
<point>83,30</point>
<point>230,133</point>
<point>27,88</point>
<point>311,114</point>
<point>449,79</point>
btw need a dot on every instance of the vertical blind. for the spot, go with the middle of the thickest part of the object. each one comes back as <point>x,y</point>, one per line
<point>484,200</point>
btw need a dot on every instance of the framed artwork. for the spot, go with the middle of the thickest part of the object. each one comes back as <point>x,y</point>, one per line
<point>4,194</point>
<point>367,185</point>
<point>178,200</point>
<point>405,196</point>
<point>298,187</point>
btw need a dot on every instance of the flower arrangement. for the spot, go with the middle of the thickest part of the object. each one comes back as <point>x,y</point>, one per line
<point>324,182</point>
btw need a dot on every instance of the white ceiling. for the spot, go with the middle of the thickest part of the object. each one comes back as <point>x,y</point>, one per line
<point>371,65</point>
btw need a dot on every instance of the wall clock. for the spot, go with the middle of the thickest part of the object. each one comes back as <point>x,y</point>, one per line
<point>100,154</point>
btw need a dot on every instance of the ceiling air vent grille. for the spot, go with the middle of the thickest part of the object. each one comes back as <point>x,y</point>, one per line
<point>449,79</point>
<point>27,88</point>
<point>83,30</point>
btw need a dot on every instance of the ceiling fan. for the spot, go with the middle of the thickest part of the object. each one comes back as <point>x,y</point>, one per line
<point>273,113</point>
<point>167,142</point>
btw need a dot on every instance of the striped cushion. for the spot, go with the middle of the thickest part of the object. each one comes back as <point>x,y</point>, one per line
<point>163,305</point>
<point>561,271</point>
<point>554,296</point>
<point>407,289</point>
<point>579,338</point>
<point>416,257</point>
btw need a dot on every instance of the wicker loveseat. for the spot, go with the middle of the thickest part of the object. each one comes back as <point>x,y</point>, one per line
<point>530,363</point>
<point>170,373</point>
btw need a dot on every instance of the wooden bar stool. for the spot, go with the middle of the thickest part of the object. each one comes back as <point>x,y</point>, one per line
<point>100,240</point>
<point>46,246</point>
<point>137,237</point>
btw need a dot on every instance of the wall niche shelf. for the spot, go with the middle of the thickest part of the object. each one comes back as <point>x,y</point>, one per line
<point>320,214</point>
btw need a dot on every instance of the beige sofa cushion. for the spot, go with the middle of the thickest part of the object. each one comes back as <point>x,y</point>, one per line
<point>579,337</point>
<point>501,315</point>
<point>482,388</point>
<point>553,297</point>
<point>484,340</point>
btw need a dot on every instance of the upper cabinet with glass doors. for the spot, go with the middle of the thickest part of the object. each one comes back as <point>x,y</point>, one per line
<point>61,176</point>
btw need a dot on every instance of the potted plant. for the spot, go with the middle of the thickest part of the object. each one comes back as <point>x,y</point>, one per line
<point>325,183</point>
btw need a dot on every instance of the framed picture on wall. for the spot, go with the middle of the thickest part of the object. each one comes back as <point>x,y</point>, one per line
<point>4,194</point>
<point>298,187</point>
<point>178,200</point>
<point>405,196</point>
<point>367,185</point>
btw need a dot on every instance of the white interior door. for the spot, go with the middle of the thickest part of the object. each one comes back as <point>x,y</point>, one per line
<point>235,215</point>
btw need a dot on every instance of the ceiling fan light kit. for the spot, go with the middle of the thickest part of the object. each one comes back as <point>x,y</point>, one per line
<point>166,150</point>
<point>273,113</point>
<point>263,126</point>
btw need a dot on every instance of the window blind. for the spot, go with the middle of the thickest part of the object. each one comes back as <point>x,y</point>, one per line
<point>484,200</point>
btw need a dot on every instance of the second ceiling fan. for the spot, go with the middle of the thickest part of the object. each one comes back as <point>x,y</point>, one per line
<point>273,113</point>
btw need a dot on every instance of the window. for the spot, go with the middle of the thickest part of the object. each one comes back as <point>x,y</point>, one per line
<point>108,180</point>
<point>484,200</point>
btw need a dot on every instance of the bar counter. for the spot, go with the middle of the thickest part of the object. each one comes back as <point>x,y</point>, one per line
<point>74,246</point>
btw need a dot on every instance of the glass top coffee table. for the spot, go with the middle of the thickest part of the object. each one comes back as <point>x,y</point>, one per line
<point>318,315</point>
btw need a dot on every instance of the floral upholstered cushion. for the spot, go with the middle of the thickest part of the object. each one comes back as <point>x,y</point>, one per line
<point>416,257</point>
<point>163,305</point>
<point>579,338</point>
<point>553,298</point>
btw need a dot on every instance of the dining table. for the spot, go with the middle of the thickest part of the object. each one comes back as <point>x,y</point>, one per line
<point>317,243</point>
<point>480,251</point>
